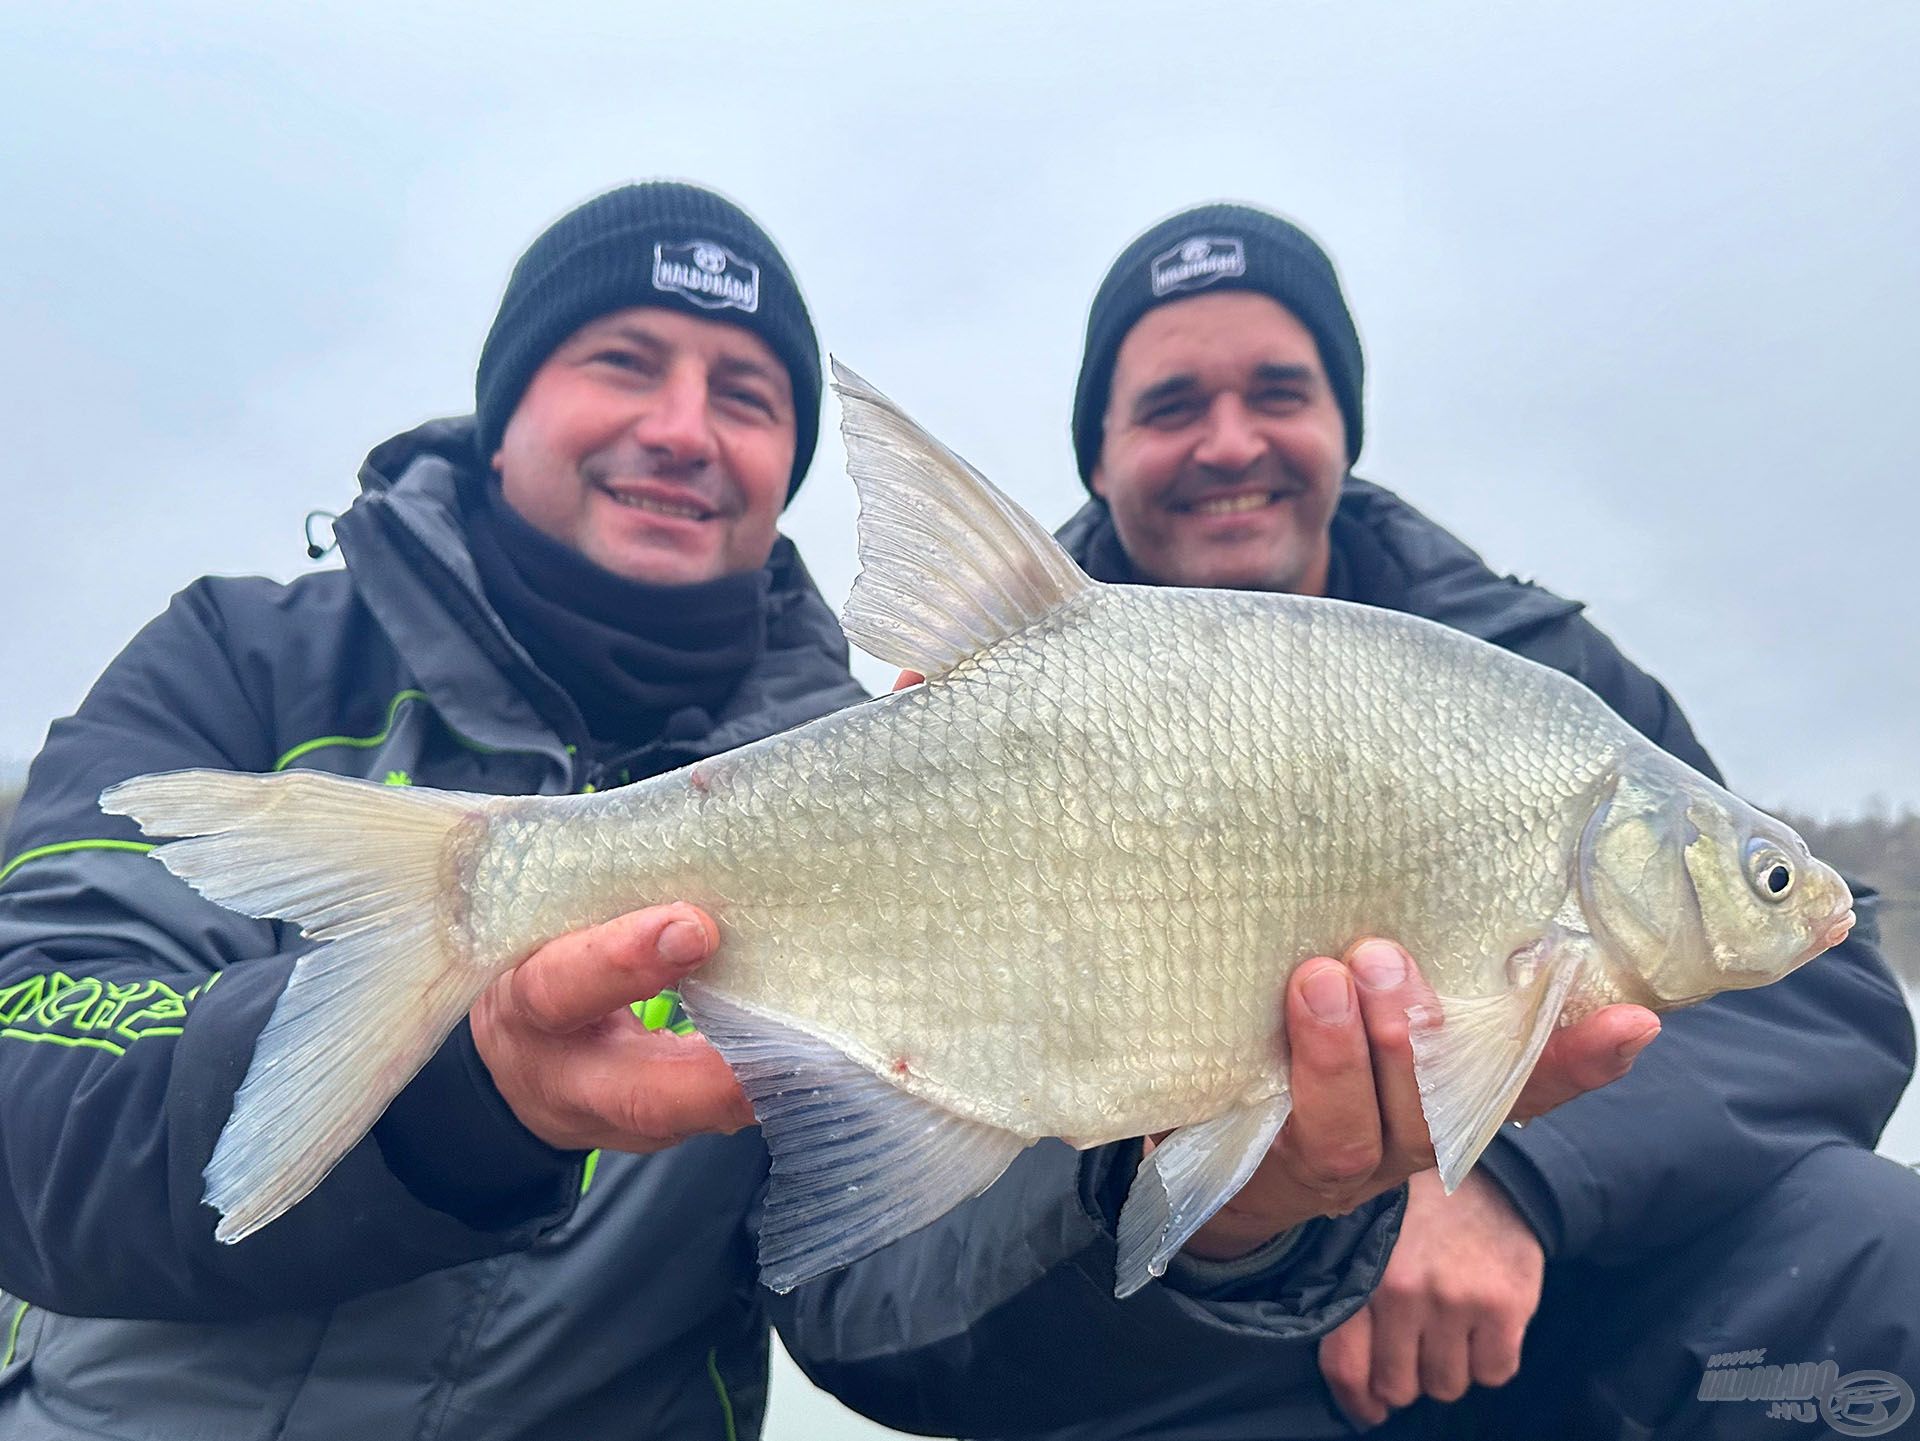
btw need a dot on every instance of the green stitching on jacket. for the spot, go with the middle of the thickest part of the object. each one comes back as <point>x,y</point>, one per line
<point>720,1390</point>
<point>86,1011</point>
<point>587,1170</point>
<point>62,847</point>
<point>13,1334</point>
<point>318,743</point>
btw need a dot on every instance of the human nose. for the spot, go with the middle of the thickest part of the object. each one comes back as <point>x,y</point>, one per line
<point>1230,441</point>
<point>675,422</point>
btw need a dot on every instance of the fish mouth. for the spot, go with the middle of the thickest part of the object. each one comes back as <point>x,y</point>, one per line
<point>1837,931</point>
<point>1827,936</point>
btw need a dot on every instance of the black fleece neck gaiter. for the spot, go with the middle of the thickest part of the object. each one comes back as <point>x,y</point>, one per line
<point>629,654</point>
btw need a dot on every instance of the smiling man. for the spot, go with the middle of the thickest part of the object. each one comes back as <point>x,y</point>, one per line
<point>550,1233</point>
<point>1723,1196</point>
<point>581,584</point>
<point>689,496</point>
<point>1225,451</point>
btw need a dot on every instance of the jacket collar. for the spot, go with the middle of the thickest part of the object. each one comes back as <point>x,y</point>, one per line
<point>406,548</point>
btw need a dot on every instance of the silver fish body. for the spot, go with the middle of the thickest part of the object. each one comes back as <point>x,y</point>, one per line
<point>1055,891</point>
<point>1058,889</point>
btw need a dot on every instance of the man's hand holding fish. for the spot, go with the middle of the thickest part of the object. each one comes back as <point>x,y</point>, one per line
<point>560,1038</point>
<point>1691,1208</point>
<point>579,1068</point>
<point>573,725</point>
<point>1357,1127</point>
<point>1055,852</point>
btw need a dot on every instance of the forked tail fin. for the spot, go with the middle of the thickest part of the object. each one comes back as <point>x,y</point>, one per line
<point>378,873</point>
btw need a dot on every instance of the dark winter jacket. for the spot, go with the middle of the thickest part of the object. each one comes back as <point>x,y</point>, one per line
<point>1735,1090</point>
<point>454,1277</point>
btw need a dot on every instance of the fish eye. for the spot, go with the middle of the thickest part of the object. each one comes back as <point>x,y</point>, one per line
<point>1769,871</point>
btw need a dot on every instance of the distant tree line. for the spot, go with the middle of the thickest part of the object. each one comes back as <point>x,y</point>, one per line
<point>1884,852</point>
<point>1881,850</point>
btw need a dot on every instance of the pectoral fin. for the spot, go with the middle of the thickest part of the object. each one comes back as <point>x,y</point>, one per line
<point>857,1162</point>
<point>1184,1180</point>
<point>1473,1057</point>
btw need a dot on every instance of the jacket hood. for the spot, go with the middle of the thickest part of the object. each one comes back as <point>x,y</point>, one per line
<point>451,438</point>
<point>416,479</point>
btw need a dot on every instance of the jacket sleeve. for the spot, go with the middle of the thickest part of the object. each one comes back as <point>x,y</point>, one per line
<point>129,1008</point>
<point>999,1319</point>
<point>1742,1085</point>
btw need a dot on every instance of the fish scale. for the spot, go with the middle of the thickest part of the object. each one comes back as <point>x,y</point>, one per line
<point>1055,891</point>
<point>1142,949</point>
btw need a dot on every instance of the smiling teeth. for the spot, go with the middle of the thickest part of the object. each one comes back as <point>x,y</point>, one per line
<point>660,507</point>
<point>1232,504</point>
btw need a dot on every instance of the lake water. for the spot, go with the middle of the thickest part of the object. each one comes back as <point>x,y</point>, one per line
<point>1902,1138</point>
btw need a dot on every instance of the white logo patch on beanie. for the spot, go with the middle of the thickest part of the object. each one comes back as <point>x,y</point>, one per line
<point>708,274</point>
<point>1197,261</point>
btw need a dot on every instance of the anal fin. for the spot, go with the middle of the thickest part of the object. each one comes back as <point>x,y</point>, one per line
<point>1184,1181</point>
<point>857,1162</point>
<point>1472,1055</point>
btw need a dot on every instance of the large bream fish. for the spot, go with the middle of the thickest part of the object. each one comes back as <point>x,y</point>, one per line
<point>1055,891</point>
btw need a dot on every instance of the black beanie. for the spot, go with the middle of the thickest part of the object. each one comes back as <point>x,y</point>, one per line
<point>1215,247</point>
<point>661,243</point>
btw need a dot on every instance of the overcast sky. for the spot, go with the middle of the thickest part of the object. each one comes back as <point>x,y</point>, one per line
<point>1638,282</point>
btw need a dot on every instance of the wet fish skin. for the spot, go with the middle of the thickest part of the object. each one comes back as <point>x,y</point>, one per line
<point>1053,891</point>
<point>1071,916</point>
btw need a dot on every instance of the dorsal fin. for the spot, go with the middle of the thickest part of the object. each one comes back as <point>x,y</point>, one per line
<point>948,565</point>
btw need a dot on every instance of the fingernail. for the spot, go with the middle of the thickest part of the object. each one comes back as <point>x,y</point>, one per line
<point>682,943</point>
<point>1328,994</point>
<point>1629,1049</point>
<point>1380,965</point>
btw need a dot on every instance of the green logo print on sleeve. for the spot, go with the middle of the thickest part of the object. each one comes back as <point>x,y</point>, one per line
<point>87,1011</point>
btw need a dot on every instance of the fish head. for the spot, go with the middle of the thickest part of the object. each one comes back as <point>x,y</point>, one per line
<point>1767,904</point>
<point>1694,891</point>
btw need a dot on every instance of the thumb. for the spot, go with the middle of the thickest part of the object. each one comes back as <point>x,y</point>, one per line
<point>1587,1055</point>
<point>580,977</point>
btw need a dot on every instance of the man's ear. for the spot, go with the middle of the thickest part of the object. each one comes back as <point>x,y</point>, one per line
<point>1097,482</point>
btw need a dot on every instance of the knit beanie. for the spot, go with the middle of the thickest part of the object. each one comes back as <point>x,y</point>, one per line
<point>1215,247</point>
<point>661,243</point>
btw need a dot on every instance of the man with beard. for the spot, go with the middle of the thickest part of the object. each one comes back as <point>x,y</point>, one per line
<point>1724,1197</point>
